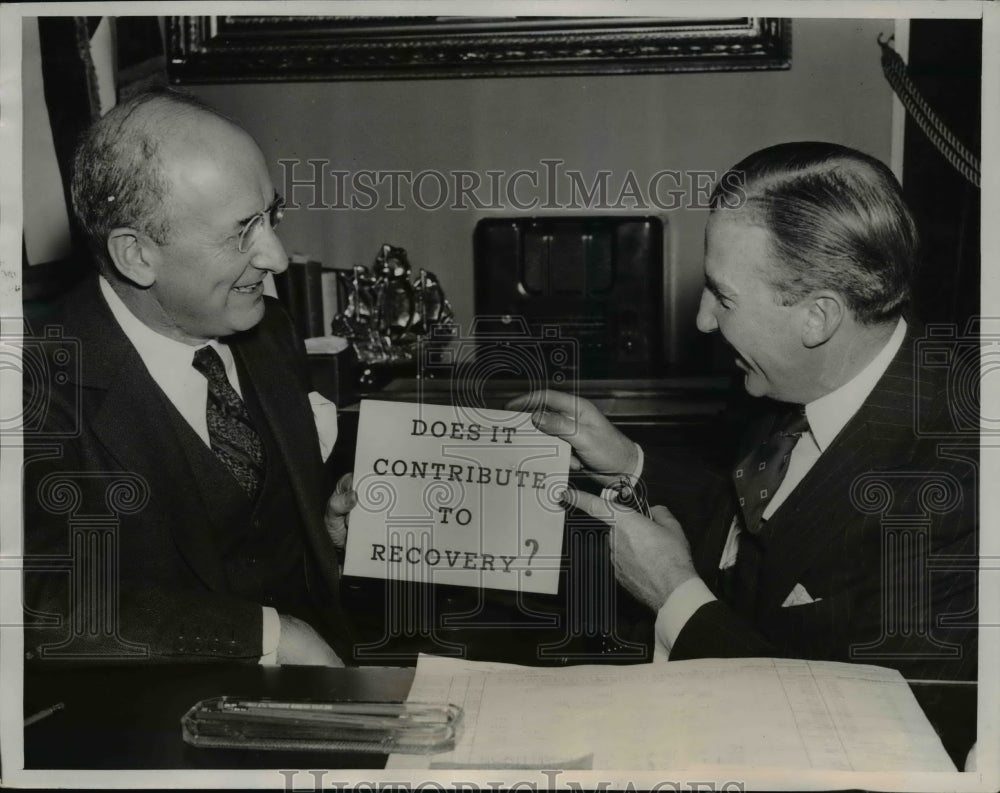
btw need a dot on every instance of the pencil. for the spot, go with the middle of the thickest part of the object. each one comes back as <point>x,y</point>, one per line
<point>43,714</point>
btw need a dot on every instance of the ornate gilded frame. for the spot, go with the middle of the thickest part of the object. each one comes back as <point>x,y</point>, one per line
<point>205,49</point>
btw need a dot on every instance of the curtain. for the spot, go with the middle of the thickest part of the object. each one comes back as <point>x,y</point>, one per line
<point>74,70</point>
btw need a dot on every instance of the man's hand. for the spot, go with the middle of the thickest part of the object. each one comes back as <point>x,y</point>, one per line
<point>598,446</point>
<point>651,557</point>
<point>343,500</point>
<point>300,645</point>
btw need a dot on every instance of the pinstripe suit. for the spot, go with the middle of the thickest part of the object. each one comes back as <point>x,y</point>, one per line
<point>881,532</point>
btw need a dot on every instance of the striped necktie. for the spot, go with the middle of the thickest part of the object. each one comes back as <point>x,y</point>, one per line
<point>230,429</point>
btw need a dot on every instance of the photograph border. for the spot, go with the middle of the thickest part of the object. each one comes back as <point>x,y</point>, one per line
<point>10,602</point>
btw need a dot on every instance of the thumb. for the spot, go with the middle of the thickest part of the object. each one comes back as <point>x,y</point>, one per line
<point>663,516</point>
<point>343,499</point>
<point>593,505</point>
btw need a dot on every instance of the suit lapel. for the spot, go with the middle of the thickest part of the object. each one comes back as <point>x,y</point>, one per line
<point>707,552</point>
<point>880,436</point>
<point>286,408</point>
<point>288,413</point>
<point>149,446</point>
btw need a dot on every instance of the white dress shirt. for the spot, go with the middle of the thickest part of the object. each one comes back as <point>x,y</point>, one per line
<point>827,416</point>
<point>170,364</point>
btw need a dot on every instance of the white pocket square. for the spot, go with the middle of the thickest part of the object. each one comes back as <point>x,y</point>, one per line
<point>325,418</point>
<point>799,597</point>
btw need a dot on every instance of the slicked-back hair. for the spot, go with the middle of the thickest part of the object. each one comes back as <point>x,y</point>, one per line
<point>837,221</point>
<point>118,178</point>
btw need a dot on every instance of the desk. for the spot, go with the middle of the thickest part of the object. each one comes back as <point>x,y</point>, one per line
<point>129,717</point>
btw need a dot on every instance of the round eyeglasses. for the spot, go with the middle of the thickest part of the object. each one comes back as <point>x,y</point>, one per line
<point>251,230</point>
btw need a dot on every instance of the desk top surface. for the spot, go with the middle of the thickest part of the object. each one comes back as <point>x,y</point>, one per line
<point>129,717</point>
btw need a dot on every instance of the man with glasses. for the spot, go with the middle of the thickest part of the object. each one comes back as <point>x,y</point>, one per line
<point>192,391</point>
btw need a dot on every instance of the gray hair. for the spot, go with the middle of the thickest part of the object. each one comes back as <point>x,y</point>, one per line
<point>118,178</point>
<point>837,220</point>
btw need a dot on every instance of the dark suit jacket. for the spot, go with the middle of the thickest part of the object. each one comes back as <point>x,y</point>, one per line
<point>881,532</point>
<point>107,451</point>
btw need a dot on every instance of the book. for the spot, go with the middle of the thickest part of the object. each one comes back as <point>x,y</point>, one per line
<point>300,288</point>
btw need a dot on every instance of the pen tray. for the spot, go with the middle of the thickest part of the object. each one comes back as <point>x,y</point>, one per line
<point>301,725</point>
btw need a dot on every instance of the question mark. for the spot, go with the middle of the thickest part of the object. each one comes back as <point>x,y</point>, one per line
<point>534,550</point>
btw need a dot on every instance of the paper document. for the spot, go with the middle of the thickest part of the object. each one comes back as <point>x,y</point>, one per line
<point>763,712</point>
<point>458,496</point>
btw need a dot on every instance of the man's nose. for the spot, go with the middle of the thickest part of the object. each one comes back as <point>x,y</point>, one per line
<point>706,321</point>
<point>268,253</point>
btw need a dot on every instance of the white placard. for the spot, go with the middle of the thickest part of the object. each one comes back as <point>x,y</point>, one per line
<point>457,496</point>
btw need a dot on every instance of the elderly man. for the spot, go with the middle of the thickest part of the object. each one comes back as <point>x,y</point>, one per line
<point>188,422</point>
<point>847,530</point>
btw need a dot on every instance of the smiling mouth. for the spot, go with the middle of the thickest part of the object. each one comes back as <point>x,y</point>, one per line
<point>249,289</point>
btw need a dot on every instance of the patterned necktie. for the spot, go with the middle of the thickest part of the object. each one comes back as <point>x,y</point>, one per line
<point>230,430</point>
<point>758,476</point>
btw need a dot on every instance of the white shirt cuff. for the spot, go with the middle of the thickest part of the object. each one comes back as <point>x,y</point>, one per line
<point>271,637</point>
<point>674,614</point>
<point>325,417</point>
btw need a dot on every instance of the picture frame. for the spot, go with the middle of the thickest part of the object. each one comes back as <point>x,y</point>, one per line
<point>214,49</point>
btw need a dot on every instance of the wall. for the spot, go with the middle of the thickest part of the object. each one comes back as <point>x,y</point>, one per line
<point>643,124</point>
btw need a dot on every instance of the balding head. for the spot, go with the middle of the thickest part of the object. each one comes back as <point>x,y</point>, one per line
<point>119,176</point>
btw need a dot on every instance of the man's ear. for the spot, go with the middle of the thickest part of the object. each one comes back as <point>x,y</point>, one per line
<point>824,311</point>
<point>131,253</point>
